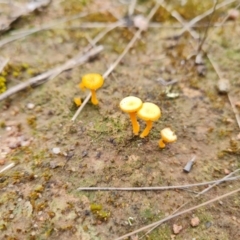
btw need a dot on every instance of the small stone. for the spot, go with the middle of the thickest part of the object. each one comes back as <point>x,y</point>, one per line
<point>30,106</point>
<point>13,145</point>
<point>56,150</point>
<point>238,136</point>
<point>140,22</point>
<point>237,104</point>
<point>223,86</point>
<point>233,14</point>
<point>177,228</point>
<point>25,143</point>
<point>226,171</point>
<point>208,224</point>
<point>195,222</point>
<point>2,161</point>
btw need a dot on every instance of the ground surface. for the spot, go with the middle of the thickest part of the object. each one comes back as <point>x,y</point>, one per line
<point>39,197</point>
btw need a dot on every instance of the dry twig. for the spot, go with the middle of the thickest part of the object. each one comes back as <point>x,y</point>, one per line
<point>11,165</point>
<point>50,74</point>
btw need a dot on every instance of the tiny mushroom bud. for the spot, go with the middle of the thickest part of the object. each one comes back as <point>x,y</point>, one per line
<point>149,112</point>
<point>167,136</point>
<point>92,81</point>
<point>77,101</point>
<point>131,105</point>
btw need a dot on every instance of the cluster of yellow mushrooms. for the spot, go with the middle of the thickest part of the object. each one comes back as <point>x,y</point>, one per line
<point>149,112</point>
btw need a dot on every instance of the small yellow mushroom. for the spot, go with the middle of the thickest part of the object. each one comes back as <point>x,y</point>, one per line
<point>131,105</point>
<point>149,112</point>
<point>167,136</point>
<point>77,101</point>
<point>92,81</point>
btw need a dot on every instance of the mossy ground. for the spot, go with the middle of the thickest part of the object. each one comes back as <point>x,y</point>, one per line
<point>39,197</point>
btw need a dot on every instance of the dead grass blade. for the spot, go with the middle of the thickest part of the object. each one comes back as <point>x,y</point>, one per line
<point>50,74</point>
<point>11,165</point>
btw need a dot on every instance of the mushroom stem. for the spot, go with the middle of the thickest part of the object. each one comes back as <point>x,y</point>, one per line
<point>135,123</point>
<point>94,97</point>
<point>161,143</point>
<point>147,129</point>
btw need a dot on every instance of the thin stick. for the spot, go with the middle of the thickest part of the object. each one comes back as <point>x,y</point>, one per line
<point>215,66</point>
<point>79,59</point>
<point>207,28</point>
<point>11,165</point>
<point>155,188</point>
<point>178,214</point>
<point>235,111</point>
<point>113,66</point>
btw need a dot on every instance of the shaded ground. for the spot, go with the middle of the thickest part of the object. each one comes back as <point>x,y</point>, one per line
<point>39,197</point>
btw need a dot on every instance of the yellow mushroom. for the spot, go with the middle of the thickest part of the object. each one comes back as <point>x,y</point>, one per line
<point>167,136</point>
<point>77,101</point>
<point>149,112</point>
<point>131,105</point>
<point>92,81</point>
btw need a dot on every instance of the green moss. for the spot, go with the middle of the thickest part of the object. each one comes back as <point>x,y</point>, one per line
<point>3,87</point>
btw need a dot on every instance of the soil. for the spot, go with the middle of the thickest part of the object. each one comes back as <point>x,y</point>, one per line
<point>54,156</point>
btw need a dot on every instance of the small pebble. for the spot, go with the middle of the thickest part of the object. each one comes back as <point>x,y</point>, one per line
<point>8,128</point>
<point>56,150</point>
<point>238,136</point>
<point>237,104</point>
<point>30,106</point>
<point>140,22</point>
<point>208,224</point>
<point>195,222</point>
<point>223,86</point>
<point>177,228</point>
<point>233,14</point>
<point>13,145</point>
<point>226,171</point>
<point>2,161</point>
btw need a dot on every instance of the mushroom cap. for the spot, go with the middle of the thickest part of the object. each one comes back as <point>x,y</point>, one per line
<point>130,104</point>
<point>149,112</point>
<point>168,135</point>
<point>92,81</point>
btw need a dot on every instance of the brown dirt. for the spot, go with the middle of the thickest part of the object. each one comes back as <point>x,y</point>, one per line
<point>39,197</point>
